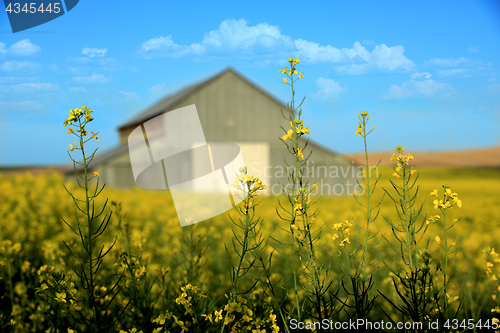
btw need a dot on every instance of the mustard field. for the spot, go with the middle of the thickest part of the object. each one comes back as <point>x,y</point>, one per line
<point>153,257</point>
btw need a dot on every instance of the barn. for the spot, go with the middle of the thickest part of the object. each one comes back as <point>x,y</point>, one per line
<point>233,109</point>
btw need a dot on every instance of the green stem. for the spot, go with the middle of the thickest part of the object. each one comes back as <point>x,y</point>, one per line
<point>248,221</point>
<point>89,240</point>
<point>368,211</point>
<point>407,222</point>
<point>293,203</point>
<point>445,260</point>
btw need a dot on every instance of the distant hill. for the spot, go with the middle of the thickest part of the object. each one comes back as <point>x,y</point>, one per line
<point>39,169</point>
<point>474,158</point>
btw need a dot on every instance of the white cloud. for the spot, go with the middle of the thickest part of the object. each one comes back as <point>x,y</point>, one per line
<point>314,52</point>
<point>27,87</point>
<point>453,72</point>
<point>158,43</point>
<point>390,58</point>
<point>24,105</point>
<point>357,52</point>
<point>94,52</point>
<point>130,95</point>
<point>77,89</point>
<point>448,62</point>
<point>473,49</point>
<point>238,37</point>
<point>236,34</point>
<point>14,65</point>
<point>419,84</point>
<point>328,89</point>
<point>165,46</point>
<point>159,89</point>
<point>12,79</point>
<point>94,78</point>
<point>23,48</point>
<point>383,58</point>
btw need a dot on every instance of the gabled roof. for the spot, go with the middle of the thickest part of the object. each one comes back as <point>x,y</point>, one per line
<point>171,100</point>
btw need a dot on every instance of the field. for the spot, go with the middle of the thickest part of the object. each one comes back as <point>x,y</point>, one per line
<point>413,252</point>
<point>32,234</point>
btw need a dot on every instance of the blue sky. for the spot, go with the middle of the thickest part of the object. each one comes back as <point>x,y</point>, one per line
<point>427,72</point>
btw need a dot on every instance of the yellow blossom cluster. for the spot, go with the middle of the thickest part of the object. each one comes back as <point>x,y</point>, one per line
<point>242,319</point>
<point>297,126</point>
<point>432,219</point>
<point>402,161</point>
<point>344,229</point>
<point>301,204</point>
<point>490,264</point>
<point>79,117</point>
<point>58,287</point>
<point>248,184</point>
<point>184,299</point>
<point>290,72</point>
<point>449,200</point>
<point>162,318</point>
<point>363,119</point>
<point>493,272</point>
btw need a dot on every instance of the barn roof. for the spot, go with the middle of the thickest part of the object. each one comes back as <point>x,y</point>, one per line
<point>171,101</point>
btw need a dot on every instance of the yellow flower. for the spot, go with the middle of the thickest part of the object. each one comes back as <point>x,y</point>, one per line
<point>434,193</point>
<point>346,240</point>
<point>335,236</point>
<point>293,62</point>
<point>285,80</point>
<point>436,204</point>
<point>283,70</point>
<point>303,130</point>
<point>438,240</point>
<point>218,316</point>
<point>60,297</point>
<point>70,131</point>
<point>96,173</point>
<point>358,131</point>
<point>94,135</point>
<point>288,135</point>
<point>299,153</point>
<point>301,76</point>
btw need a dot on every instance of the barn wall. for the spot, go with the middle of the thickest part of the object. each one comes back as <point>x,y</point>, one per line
<point>231,109</point>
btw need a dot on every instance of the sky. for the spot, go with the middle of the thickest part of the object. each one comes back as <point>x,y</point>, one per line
<point>427,72</point>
